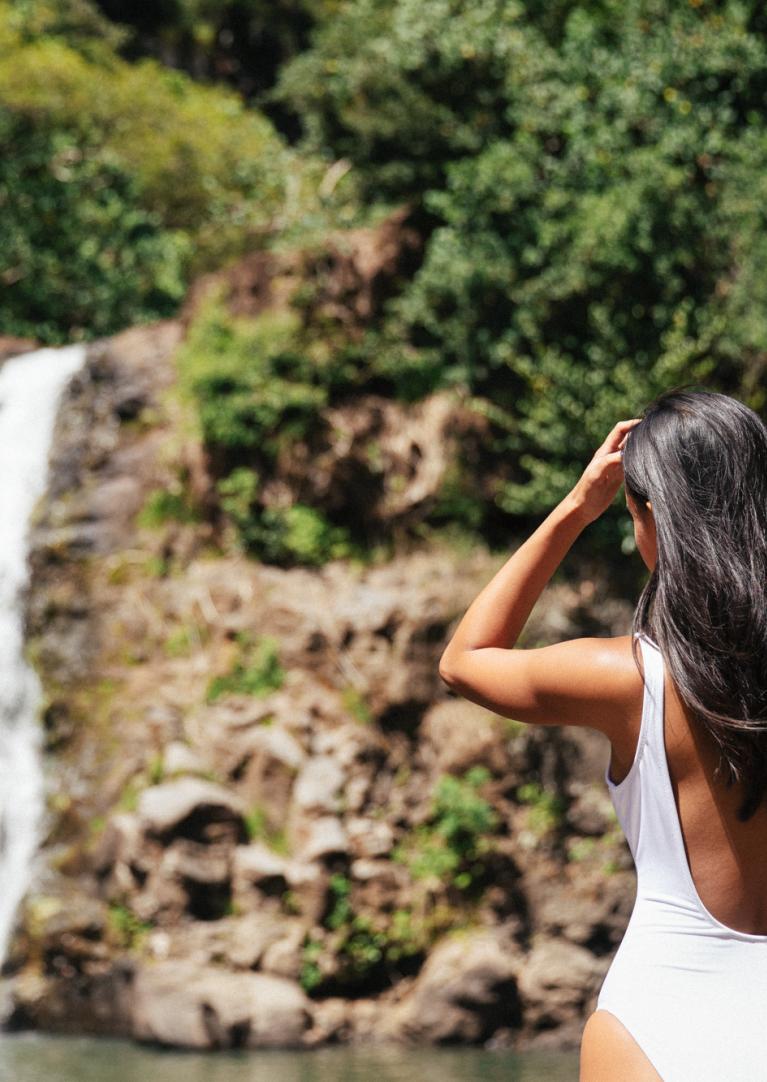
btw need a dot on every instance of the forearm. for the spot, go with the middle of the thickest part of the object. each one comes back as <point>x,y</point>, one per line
<point>498,614</point>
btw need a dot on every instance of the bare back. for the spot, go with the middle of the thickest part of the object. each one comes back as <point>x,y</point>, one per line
<point>727,858</point>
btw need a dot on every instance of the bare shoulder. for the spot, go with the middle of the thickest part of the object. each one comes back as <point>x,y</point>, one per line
<point>592,682</point>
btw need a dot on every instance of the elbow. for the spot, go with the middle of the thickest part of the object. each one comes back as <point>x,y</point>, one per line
<point>447,670</point>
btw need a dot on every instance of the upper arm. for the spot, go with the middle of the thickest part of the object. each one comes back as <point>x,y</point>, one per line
<point>592,682</point>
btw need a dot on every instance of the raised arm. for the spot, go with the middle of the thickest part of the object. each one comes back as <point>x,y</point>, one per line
<point>579,682</point>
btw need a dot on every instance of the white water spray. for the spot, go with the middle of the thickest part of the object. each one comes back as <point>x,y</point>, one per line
<point>30,389</point>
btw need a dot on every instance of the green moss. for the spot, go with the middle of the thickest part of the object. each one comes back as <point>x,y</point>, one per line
<point>128,929</point>
<point>185,639</point>
<point>311,974</point>
<point>581,849</point>
<point>258,829</point>
<point>164,505</point>
<point>452,845</point>
<point>355,703</point>
<point>256,671</point>
<point>156,769</point>
<point>546,810</point>
<point>128,800</point>
<point>368,946</point>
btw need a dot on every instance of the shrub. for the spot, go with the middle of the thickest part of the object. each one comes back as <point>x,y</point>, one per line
<point>129,930</point>
<point>256,671</point>
<point>251,381</point>
<point>452,845</point>
<point>546,809</point>
<point>79,255</point>
<point>118,180</point>
<point>589,179</point>
<point>258,388</point>
<point>369,948</point>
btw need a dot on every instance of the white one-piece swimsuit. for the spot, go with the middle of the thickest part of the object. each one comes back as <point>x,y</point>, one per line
<point>691,991</point>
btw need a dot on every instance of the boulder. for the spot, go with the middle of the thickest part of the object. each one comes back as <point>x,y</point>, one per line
<point>556,982</point>
<point>120,842</point>
<point>180,758</point>
<point>317,786</point>
<point>206,1007</point>
<point>380,885</point>
<point>258,864</point>
<point>466,990</point>
<point>331,1021</point>
<point>309,884</point>
<point>591,812</point>
<point>193,808</point>
<point>268,778</point>
<point>317,839</point>
<point>257,871</point>
<point>369,837</point>
<point>585,905</point>
<point>457,735</point>
<point>284,957</point>
<point>12,345</point>
<point>251,935</point>
<point>198,863</point>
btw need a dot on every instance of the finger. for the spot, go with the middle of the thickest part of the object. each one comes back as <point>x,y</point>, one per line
<point>627,430</point>
<point>619,433</point>
<point>613,458</point>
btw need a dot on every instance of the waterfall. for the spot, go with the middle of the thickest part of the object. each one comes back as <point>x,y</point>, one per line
<point>30,389</point>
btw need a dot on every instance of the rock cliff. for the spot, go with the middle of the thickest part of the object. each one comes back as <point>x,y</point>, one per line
<point>269,822</point>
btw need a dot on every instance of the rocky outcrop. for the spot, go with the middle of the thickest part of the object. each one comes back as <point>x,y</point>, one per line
<point>176,1003</point>
<point>327,848</point>
<point>466,991</point>
<point>352,272</point>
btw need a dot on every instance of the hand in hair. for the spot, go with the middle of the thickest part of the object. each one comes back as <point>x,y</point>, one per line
<point>602,478</point>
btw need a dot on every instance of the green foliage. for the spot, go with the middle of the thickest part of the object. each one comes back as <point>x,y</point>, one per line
<point>186,638</point>
<point>258,389</point>
<point>297,534</point>
<point>199,159</point>
<point>256,670</point>
<point>340,911</point>
<point>258,829</point>
<point>253,384</point>
<point>156,771</point>
<point>118,180</point>
<point>401,88</point>
<point>545,809</point>
<point>129,796</point>
<point>355,703</point>
<point>129,930</point>
<point>311,974</point>
<point>167,505</point>
<point>245,43</point>
<point>452,845</point>
<point>365,945</point>
<point>591,181</point>
<point>77,22</point>
<point>79,255</point>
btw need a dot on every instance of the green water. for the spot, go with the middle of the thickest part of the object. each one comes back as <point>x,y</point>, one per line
<point>30,1057</point>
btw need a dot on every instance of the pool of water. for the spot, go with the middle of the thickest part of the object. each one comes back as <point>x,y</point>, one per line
<point>32,1057</point>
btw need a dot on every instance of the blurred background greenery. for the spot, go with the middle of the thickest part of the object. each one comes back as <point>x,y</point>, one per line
<point>586,182</point>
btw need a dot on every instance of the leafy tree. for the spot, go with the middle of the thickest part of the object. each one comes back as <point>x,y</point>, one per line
<point>79,255</point>
<point>592,193</point>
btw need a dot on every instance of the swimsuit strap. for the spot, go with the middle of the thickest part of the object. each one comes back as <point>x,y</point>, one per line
<point>661,858</point>
<point>652,705</point>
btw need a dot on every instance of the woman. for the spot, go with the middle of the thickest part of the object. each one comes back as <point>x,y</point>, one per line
<point>683,702</point>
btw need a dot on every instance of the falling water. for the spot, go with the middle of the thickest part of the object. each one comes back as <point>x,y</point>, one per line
<point>30,390</point>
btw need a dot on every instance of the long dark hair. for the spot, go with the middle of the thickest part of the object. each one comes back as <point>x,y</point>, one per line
<point>700,458</point>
